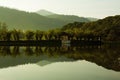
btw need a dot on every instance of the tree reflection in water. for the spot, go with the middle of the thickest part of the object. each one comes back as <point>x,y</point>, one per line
<point>5,51</point>
<point>29,51</point>
<point>15,51</point>
<point>107,56</point>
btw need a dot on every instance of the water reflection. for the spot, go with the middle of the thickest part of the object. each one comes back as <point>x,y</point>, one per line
<point>107,56</point>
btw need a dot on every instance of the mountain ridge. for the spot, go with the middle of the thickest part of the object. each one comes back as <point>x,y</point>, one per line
<point>27,20</point>
<point>44,12</point>
<point>17,19</point>
<point>70,18</point>
<point>108,28</point>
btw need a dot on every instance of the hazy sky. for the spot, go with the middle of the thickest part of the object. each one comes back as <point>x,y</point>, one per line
<point>86,8</point>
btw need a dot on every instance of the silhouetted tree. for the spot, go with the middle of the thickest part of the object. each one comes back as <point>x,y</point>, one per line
<point>39,35</point>
<point>29,35</point>
<point>16,34</point>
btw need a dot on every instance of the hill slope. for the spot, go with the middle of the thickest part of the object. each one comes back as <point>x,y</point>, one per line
<point>108,28</point>
<point>45,12</point>
<point>66,18</point>
<point>25,20</point>
<point>33,21</point>
<point>69,18</point>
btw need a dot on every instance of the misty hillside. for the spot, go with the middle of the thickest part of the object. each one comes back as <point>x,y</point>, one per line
<point>69,18</point>
<point>45,12</point>
<point>66,18</point>
<point>32,21</point>
<point>27,21</point>
<point>92,19</point>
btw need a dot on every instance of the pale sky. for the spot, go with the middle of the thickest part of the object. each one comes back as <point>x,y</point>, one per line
<point>82,8</point>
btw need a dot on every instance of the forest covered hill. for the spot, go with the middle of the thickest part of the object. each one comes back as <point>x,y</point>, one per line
<point>31,20</point>
<point>108,28</point>
<point>15,22</point>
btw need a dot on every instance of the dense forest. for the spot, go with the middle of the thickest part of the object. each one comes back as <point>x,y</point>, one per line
<point>108,29</point>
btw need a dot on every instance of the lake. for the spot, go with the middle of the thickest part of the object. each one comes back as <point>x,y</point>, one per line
<point>60,63</point>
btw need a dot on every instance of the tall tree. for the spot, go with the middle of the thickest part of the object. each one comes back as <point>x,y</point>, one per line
<point>29,35</point>
<point>39,35</point>
<point>16,34</point>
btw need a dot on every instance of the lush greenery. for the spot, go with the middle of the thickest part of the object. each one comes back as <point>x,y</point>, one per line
<point>31,21</point>
<point>17,35</point>
<point>108,28</point>
<point>27,21</point>
<point>69,18</point>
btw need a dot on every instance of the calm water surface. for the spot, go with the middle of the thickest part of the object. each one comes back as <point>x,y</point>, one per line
<point>60,63</point>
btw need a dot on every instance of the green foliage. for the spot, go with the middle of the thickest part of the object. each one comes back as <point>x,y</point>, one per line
<point>16,35</point>
<point>73,25</point>
<point>4,33</point>
<point>39,35</point>
<point>29,35</point>
<point>108,28</point>
<point>68,18</point>
<point>27,21</point>
<point>30,21</point>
